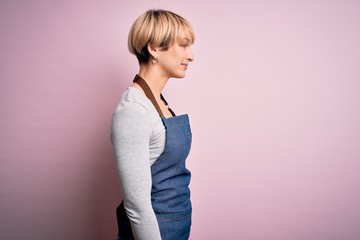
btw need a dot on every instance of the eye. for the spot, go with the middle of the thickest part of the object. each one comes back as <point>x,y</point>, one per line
<point>184,43</point>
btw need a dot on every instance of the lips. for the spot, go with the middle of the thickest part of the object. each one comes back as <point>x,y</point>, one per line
<point>185,65</point>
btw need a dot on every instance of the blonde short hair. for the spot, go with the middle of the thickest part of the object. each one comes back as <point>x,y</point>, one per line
<point>159,28</point>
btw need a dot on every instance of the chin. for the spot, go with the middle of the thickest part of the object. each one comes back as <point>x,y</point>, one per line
<point>182,75</point>
<point>179,74</point>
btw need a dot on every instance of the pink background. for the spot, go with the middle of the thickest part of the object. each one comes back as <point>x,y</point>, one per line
<point>273,97</point>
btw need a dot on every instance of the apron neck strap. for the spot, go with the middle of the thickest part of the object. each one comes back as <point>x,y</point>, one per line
<point>145,87</point>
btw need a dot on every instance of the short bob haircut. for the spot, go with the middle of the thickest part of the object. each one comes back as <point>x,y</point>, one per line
<point>159,28</point>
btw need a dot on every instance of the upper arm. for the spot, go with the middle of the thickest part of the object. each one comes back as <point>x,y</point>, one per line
<point>131,130</point>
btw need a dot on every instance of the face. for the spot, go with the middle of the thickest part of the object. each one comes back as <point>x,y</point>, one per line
<point>175,60</point>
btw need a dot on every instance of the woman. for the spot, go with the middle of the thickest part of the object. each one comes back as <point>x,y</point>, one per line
<point>151,143</point>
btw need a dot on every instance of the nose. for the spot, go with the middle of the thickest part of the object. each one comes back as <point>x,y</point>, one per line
<point>190,55</point>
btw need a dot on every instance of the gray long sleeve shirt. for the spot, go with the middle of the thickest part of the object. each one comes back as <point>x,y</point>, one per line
<point>138,137</point>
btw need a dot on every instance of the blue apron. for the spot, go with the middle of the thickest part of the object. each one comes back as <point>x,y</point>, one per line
<point>170,193</point>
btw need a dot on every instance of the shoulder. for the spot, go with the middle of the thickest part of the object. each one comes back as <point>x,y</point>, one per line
<point>133,101</point>
<point>134,107</point>
<point>134,104</point>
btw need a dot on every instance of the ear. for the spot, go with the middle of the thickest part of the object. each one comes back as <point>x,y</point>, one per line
<point>152,51</point>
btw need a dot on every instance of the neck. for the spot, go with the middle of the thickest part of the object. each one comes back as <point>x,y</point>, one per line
<point>154,79</point>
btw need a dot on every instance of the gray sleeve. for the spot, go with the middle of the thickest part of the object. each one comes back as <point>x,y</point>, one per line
<point>131,130</point>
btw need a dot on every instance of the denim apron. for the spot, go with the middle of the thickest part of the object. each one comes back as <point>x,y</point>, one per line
<point>170,193</point>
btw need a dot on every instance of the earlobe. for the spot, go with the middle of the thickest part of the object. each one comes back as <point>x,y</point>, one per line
<point>153,54</point>
<point>155,60</point>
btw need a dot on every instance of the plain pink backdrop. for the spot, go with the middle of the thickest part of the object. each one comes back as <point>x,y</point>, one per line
<point>273,97</point>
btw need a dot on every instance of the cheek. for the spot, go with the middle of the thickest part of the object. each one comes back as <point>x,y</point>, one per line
<point>180,52</point>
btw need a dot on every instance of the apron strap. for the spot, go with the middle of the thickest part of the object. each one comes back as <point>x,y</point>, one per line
<point>170,110</point>
<point>142,83</point>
